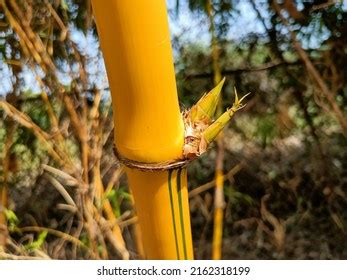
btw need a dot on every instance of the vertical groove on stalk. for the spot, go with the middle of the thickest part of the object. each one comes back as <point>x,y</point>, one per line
<point>179,190</point>
<point>173,212</point>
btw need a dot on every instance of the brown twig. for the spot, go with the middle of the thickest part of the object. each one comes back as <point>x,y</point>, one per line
<point>57,233</point>
<point>212,183</point>
<point>229,72</point>
<point>311,69</point>
<point>26,121</point>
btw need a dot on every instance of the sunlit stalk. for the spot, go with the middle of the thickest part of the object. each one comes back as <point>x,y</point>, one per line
<point>219,191</point>
<point>136,45</point>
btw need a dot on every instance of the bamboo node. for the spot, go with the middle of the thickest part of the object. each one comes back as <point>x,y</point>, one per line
<point>151,167</point>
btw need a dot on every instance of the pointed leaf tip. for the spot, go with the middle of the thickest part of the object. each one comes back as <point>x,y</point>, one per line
<point>238,102</point>
<point>243,97</point>
<point>205,108</point>
<point>236,96</point>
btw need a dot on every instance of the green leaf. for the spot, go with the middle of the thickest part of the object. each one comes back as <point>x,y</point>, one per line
<point>205,108</point>
<point>38,242</point>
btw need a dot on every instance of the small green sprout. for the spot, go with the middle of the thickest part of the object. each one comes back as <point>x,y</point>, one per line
<point>205,108</point>
<point>12,219</point>
<point>200,130</point>
<point>35,245</point>
<point>216,127</point>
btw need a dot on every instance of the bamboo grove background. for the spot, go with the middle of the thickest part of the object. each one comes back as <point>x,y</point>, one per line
<point>63,193</point>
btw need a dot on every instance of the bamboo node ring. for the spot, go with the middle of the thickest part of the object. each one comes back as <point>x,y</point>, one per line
<point>145,166</point>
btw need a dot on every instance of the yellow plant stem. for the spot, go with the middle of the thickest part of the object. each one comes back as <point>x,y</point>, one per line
<point>163,213</point>
<point>218,213</point>
<point>136,45</point>
<point>219,191</point>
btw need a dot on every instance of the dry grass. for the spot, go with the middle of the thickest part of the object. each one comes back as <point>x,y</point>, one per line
<point>79,178</point>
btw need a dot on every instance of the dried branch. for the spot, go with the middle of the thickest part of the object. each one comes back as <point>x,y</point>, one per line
<point>26,121</point>
<point>231,173</point>
<point>60,188</point>
<point>265,67</point>
<point>311,69</point>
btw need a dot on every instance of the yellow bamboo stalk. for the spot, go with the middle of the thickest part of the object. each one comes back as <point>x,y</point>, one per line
<point>219,191</point>
<point>135,40</point>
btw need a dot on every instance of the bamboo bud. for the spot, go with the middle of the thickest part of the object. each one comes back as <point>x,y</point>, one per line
<point>205,108</point>
<point>199,132</point>
<point>215,128</point>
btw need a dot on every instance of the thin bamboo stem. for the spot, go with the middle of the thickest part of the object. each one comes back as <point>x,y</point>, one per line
<point>26,121</point>
<point>6,162</point>
<point>313,72</point>
<point>110,216</point>
<point>219,203</point>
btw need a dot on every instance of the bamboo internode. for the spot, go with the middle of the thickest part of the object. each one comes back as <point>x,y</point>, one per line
<point>136,46</point>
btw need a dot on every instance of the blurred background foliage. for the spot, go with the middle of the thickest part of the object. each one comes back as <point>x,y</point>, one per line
<point>63,194</point>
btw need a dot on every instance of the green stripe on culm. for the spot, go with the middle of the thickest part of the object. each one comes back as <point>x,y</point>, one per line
<point>173,213</point>
<point>179,189</point>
